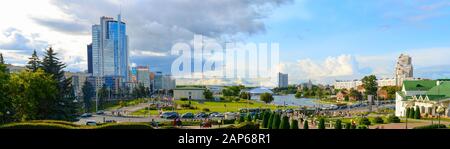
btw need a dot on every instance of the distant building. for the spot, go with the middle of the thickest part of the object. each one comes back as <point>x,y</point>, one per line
<point>78,79</point>
<point>282,80</point>
<point>165,82</point>
<point>403,69</point>
<point>89,58</point>
<point>190,93</point>
<point>143,76</point>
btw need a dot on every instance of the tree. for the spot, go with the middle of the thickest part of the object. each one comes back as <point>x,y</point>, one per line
<point>294,124</point>
<point>2,61</point>
<point>285,123</point>
<point>249,117</point>
<point>276,121</point>
<point>266,97</point>
<point>298,94</point>
<point>408,111</point>
<point>6,109</point>
<point>266,117</point>
<point>34,95</point>
<point>417,113</point>
<point>208,94</point>
<point>88,93</point>
<point>338,124</point>
<point>370,85</point>
<point>411,112</point>
<point>321,123</point>
<point>64,107</point>
<point>305,125</point>
<point>348,126</point>
<point>270,121</point>
<point>102,96</point>
<point>245,95</point>
<point>364,121</point>
<point>34,63</point>
<point>393,119</point>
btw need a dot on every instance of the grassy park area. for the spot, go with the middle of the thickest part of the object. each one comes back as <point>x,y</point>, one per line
<point>211,106</point>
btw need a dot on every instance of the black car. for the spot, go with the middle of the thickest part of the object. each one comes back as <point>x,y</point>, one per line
<point>169,115</point>
<point>188,115</point>
<point>202,115</point>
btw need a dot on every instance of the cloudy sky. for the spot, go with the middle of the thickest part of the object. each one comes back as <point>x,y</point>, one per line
<point>321,40</point>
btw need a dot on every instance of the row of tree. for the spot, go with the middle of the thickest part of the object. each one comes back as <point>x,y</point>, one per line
<point>275,120</point>
<point>40,92</point>
<point>411,113</point>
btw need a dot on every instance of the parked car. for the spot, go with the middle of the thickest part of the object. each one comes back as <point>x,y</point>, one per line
<point>202,115</point>
<point>110,121</point>
<point>230,115</point>
<point>289,111</point>
<point>213,114</point>
<point>91,123</point>
<point>86,115</point>
<point>100,112</point>
<point>188,115</point>
<point>169,115</point>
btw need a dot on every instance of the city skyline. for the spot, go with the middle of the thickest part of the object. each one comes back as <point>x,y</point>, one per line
<point>321,40</point>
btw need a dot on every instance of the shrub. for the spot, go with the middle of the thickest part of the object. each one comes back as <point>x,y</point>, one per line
<point>55,122</point>
<point>183,99</point>
<point>364,121</point>
<point>248,125</point>
<point>205,110</point>
<point>125,126</point>
<point>185,105</point>
<point>241,119</point>
<point>276,121</point>
<point>270,120</point>
<point>434,126</point>
<point>266,118</point>
<point>378,120</point>
<point>362,127</point>
<point>348,126</point>
<point>285,123</point>
<point>321,123</point>
<point>228,121</point>
<point>393,119</point>
<point>249,118</point>
<point>411,113</point>
<point>338,124</point>
<point>167,108</point>
<point>294,124</point>
<point>408,111</point>
<point>417,113</point>
<point>305,125</point>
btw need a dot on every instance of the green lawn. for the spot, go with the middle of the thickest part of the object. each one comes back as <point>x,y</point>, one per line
<point>213,106</point>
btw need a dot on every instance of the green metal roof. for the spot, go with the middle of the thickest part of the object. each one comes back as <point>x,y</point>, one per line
<point>419,85</point>
<point>442,89</point>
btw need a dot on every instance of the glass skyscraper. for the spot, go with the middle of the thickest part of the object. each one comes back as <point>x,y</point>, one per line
<point>110,48</point>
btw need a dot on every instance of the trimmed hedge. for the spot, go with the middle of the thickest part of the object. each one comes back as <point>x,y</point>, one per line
<point>434,126</point>
<point>55,122</point>
<point>125,126</point>
<point>248,125</point>
<point>28,125</point>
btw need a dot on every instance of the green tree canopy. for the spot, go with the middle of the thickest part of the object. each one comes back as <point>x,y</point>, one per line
<point>370,85</point>
<point>285,123</point>
<point>266,97</point>
<point>33,63</point>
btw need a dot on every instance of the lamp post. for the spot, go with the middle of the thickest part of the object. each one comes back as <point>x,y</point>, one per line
<point>440,110</point>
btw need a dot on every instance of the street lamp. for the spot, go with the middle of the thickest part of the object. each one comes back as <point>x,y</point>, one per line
<point>408,105</point>
<point>441,109</point>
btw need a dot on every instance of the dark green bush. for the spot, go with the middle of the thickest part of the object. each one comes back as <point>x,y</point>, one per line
<point>362,127</point>
<point>364,121</point>
<point>378,120</point>
<point>338,124</point>
<point>284,123</point>
<point>321,123</point>
<point>393,119</point>
<point>305,125</point>
<point>294,124</point>
<point>248,125</point>
<point>434,126</point>
<point>348,126</point>
<point>183,99</point>
<point>205,110</point>
<point>276,121</point>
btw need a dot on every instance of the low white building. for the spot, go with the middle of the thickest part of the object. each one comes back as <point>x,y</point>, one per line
<point>427,95</point>
<point>190,93</point>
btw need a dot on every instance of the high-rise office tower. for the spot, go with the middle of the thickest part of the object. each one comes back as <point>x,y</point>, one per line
<point>89,59</point>
<point>282,80</point>
<point>110,48</point>
<point>404,69</point>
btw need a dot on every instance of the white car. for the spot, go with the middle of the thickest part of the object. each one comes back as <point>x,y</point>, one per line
<point>230,115</point>
<point>91,123</point>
